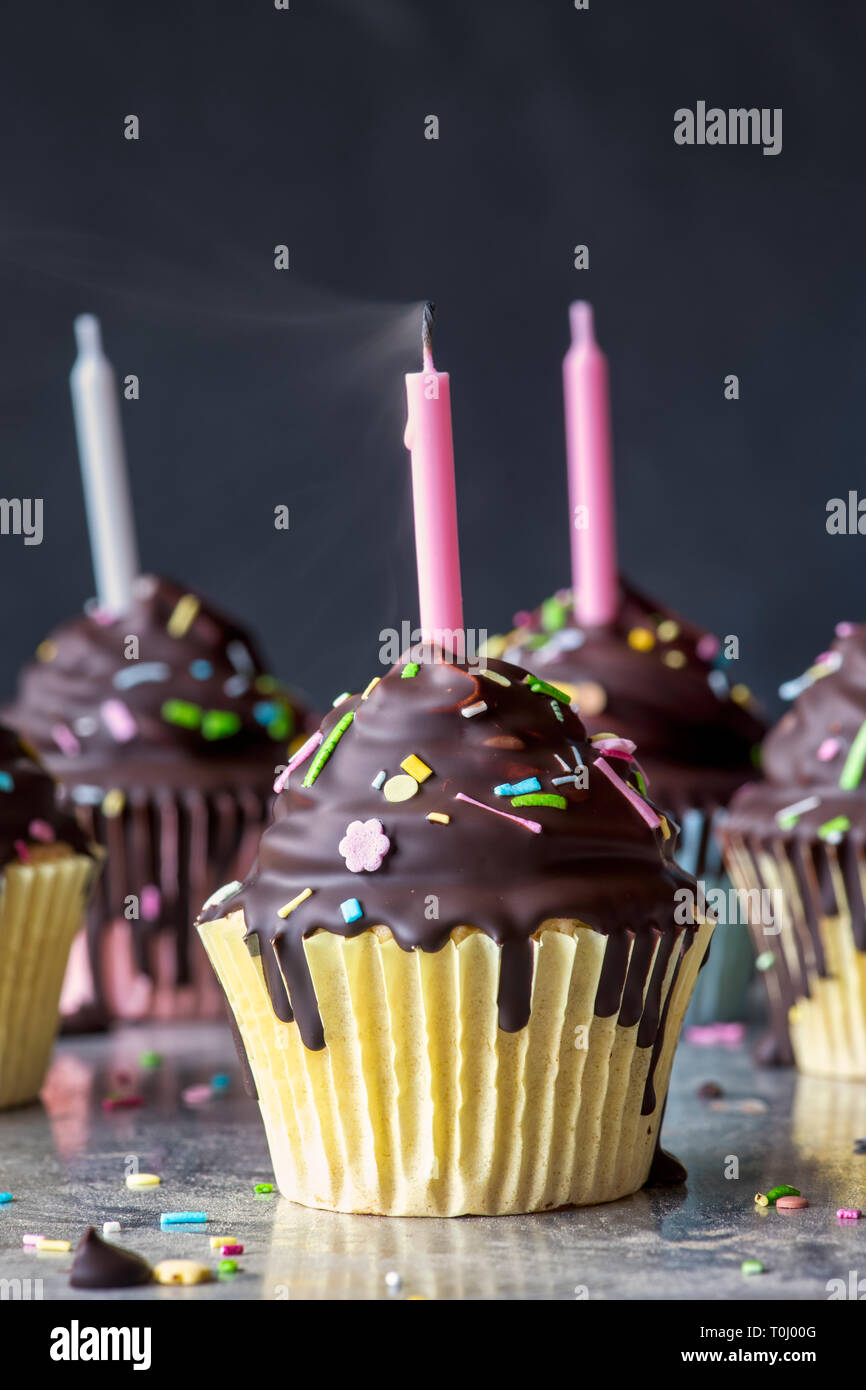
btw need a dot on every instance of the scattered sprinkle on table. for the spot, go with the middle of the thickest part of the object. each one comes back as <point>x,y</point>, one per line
<point>849,1213</point>
<point>217,1242</point>
<point>232,1248</point>
<point>752,1267</point>
<point>393,1280</point>
<point>54,1246</point>
<point>221,1081</point>
<point>31,1240</point>
<point>197,1095</point>
<point>150,1060</point>
<point>263,1188</point>
<point>228,1266</point>
<point>5,1197</point>
<point>143,1180</point>
<point>110,1228</point>
<point>181,1272</point>
<point>178,1218</point>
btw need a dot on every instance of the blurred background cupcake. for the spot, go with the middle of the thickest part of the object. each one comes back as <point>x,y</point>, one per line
<point>635,668</point>
<point>156,714</point>
<point>47,868</point>
<point>794,845</point>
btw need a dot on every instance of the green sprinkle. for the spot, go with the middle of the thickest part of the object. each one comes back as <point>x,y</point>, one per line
<point>262,1188</point>
<point>265,685</point>
<point>228,1266</point>
<point>787,822</point>
<point>752,1267</point>
<point>782,1191</point>
<point>640,780</point>
<point>538,639</point>
<point>765,960</point>
<point>219,723</point>
<point>755,755</point>
<point>409,670</point>
<point>852,772</point>
<point>181,712</point>
<point>542,688</point>
<point>837,826</point>
<point>282,725</point>
<point>150,1060</point>
<point>554,615</point>
<point>327,748</point>
<point>558,803</point>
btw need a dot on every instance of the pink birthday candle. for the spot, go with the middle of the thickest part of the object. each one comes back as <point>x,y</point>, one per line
<point>590,473</point>
<point>429,439</point>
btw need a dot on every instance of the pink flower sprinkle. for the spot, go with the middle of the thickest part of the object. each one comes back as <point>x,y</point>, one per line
<point>828,750</point>
<point>41,830</point>
<point>65,740</point>
<point>118,720</point>
<point>708,646</point>
<point>615,747</point>
<point>151,902</point>
<point>364,846</point>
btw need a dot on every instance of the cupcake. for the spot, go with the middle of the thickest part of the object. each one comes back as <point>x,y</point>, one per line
<point>663,682</point>
<point>456,968</point>
<point>794,845</point>
<point>46,870</point>
<point>166,734</point>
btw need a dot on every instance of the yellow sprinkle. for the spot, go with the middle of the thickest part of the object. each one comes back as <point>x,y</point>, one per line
<point>494,647</point>
<point>217,1241</point>
<point>181,1272</point>
<point>295,902</point>
<point>439,817</point>
<point>667,630</point>
<point>400,788</point>
<point>415,768</point>
<point>113,803</point>
<point>741,694</point>
<point>53,1245</point>
<point>371,687</point>
<point>674,658</point>
<point>46,651</point>
<point>183,616</point>
<point>641,639</point>
<point>666,830</point>
<point>142,1180</point>
<point>495,676</point>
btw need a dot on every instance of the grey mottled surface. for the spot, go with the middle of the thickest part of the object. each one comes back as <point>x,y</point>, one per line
<point>65,1161</point>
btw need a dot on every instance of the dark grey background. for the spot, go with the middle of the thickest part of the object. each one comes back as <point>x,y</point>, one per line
<point>306,127</point>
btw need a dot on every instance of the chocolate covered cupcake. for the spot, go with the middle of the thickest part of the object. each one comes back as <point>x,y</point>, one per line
<point>456,969</point>
<point>166,733</point>
<point>658,679</point>
<point>47,867</point>
<point>794,843</point>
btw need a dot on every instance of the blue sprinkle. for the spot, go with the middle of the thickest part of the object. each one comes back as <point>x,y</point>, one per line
<point>266,712</point>
<point>7,783</point>
<point>529,784</point>
<point>504,789</point>
<point>173,1218</point>
<point>201,669</point>
<point>221,1081</point>
<point>140,671</point>
<point>351,910</point>
<point>5,1197</point>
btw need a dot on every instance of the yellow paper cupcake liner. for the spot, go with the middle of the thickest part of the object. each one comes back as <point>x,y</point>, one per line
<point>420,1105</point>
<point>827,1020</point>
<point>41,907</point>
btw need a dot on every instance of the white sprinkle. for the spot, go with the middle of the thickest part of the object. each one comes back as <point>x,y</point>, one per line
<point>798,808</point>
<point>468,711</point>
<point>341,699</point>
<point>228,890</point>
<point>239,656</point>
<point>562,762</point>
<point>791,689</point>
<point>87,796</point>
<point>378,780</point>
<point>236,685</point>
<point>393,1280</point>
<point>85,726</point>
<point>578,760</point>
<point>558,781</point>
<point>110,1228</point>
<point>718,683</point>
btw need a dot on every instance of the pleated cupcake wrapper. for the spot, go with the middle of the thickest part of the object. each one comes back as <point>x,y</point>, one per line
<point>41,908</point>
<point>722,986</point>
<point>816,984</point>
<point>186,844</point>
<point>420,1105</point>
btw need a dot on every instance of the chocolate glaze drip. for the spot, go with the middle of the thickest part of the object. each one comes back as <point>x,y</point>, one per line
<point>99,1265</point>
<point>694,741</point>
<point>596,861</point>
<point>29,795</point>
<point>802,759</point>
<point>191,790</point>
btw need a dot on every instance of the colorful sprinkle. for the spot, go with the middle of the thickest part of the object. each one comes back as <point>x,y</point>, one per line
<point>139,672</point>
<point>557,710</point>
<point>828,749</point>
<point>301,756</point>
<point>439,818</point>
<point>197,1095</point>
<point>113,803</point>
<point>122,1102</point>
<point>7,782</point>
<point>134,1180</point>
<point>352,910</point>
<point>31,1240</point>
<point>65,740</point>
<point>557,803</point>
<point>220,723</point>
<point>741,694</point>
<point>409,670</point>
<point>640,639</point>
<point>118,720</point>
<point>833,830</point>
<point>613,747</point>
<point>675,659</point>
<point>783,1190</point>
<point>641,806</point>
<point>182,712</point>
<point>200,669</point>
<point>533,825</point>
<point>469,711</point>
<point>60,1246</point>
<point>416,768</point>
<point>379,779</point>
<point>751,1267</point>
<point>290,906</point>
<point>263,1188</point>
<point>529,784</point>
<point>265,712</point>
<point>239,656</point>
<point>572,778</point>
<point>22,850</point>
<point>539,687</point>
<point>789,815</point>
<point>46,651</point>
<point>228,1266</point>
<point>233,1248</point>
<point>236,686</point>
<point>7,1197</point>
<point>86,795</point>
<point>181,1272</point>
<point>849,1213</point>
<point>183,616</point>
<point>718,683</point>
<point>178,1218</point>
<point>151,902</point>
<point>110,1228</point>
<point>217,1242</point>
<point>371,687</point>
<point>495,676</point>
<point>852,772</point>
<point>667,630</point>
<point>151,1060</point>
<point>554,615</point>
<point>327,748</point>
<point>400,788</point>
<point>220,895</point>
<point>708,646</point>
<point>42,831</point>
<point>765,961</point>
<point>364,846</point>
<point>220,1081</point>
